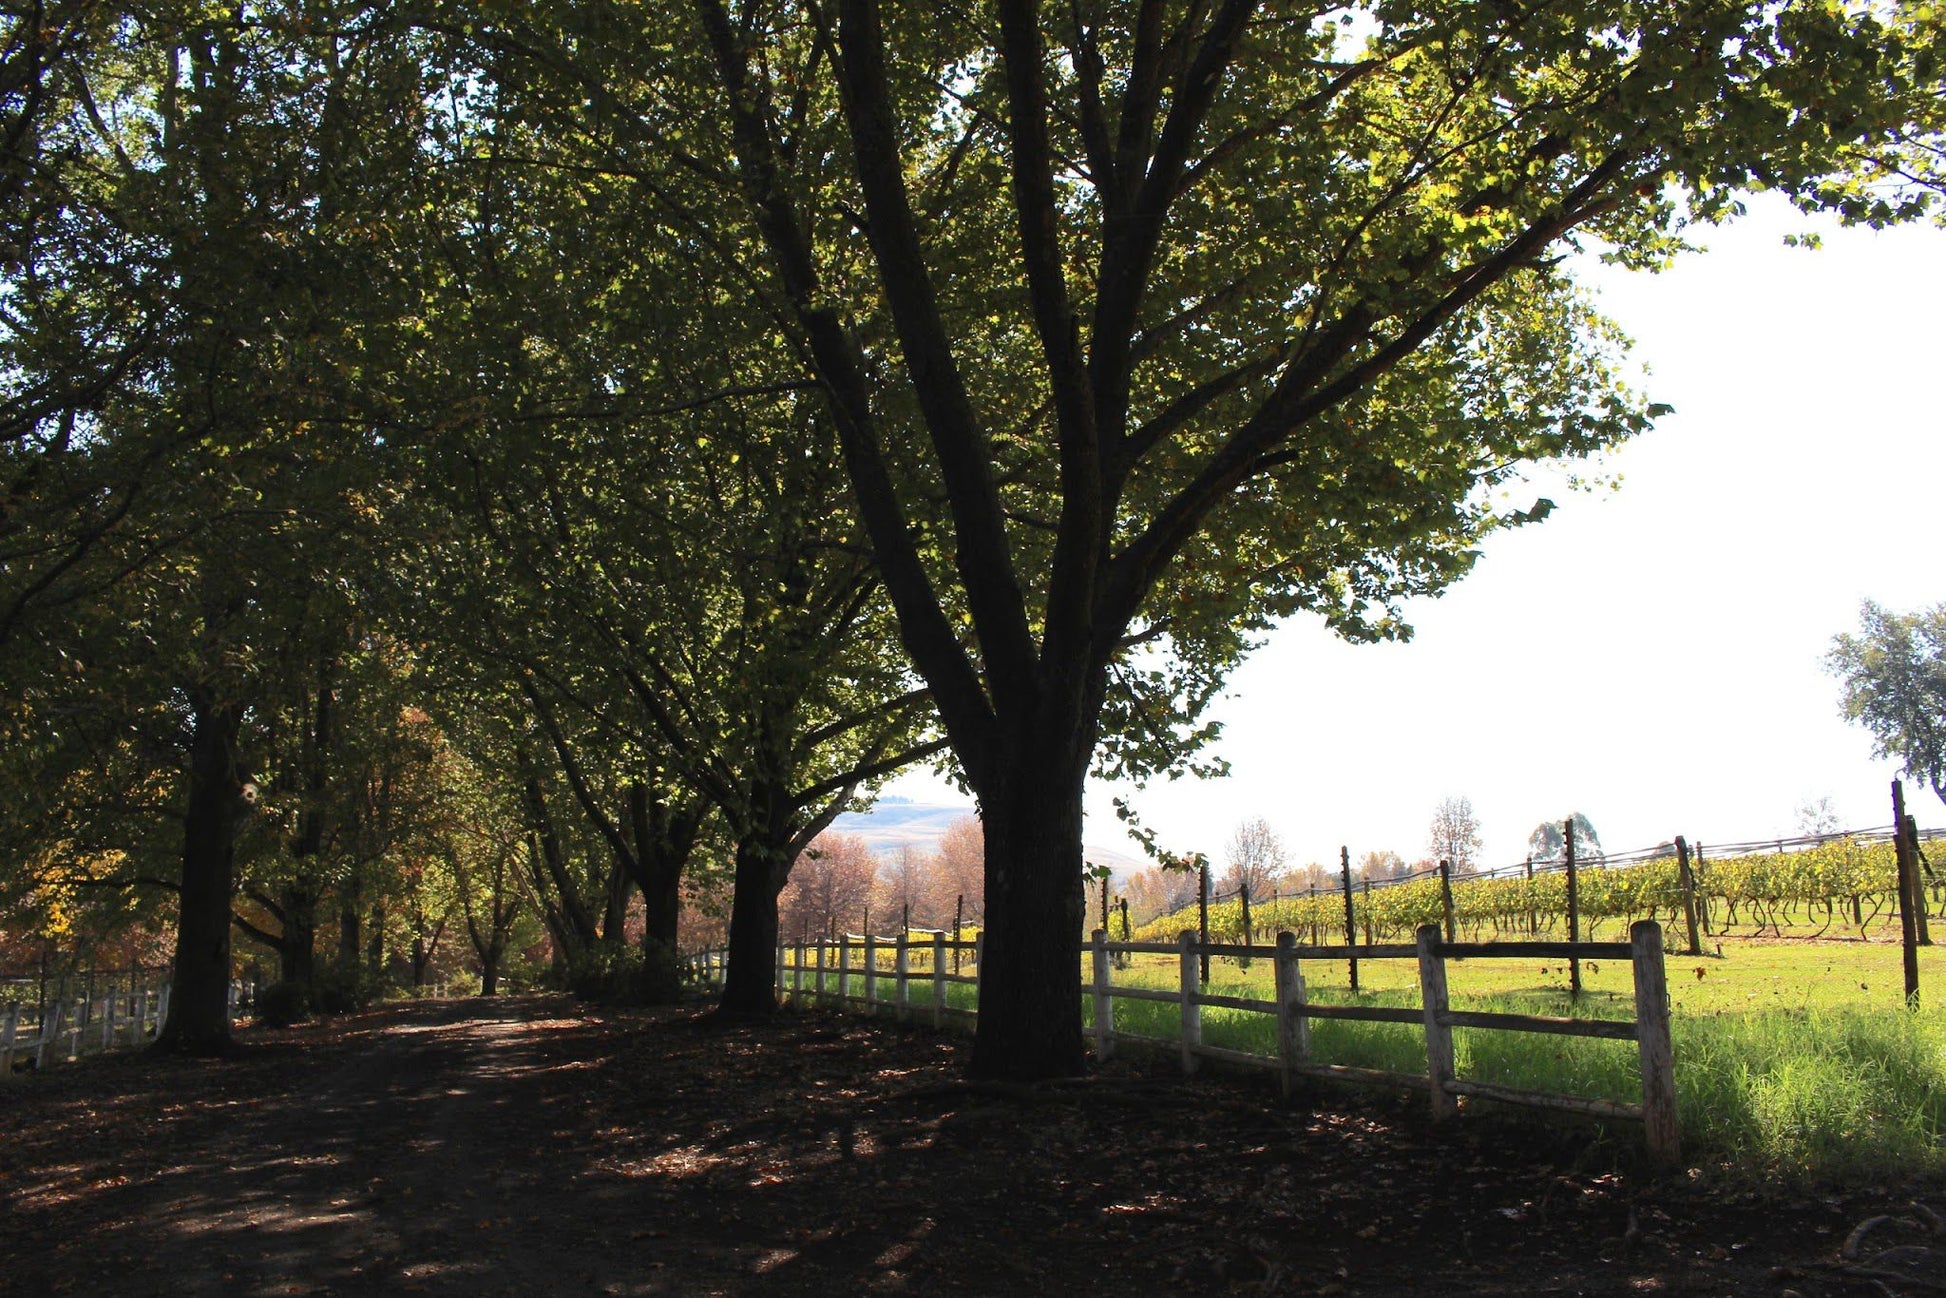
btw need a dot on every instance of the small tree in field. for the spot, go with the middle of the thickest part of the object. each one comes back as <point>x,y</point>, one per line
<point>1455,834</point>
<point>1257,859</point>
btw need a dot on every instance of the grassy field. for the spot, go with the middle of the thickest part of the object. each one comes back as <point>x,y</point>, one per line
<point>1793,1060</point>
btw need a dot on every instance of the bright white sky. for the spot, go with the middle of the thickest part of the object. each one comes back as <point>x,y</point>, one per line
<point>1652,656</point>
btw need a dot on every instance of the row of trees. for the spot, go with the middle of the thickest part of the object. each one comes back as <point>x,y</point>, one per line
<point>697,412</point>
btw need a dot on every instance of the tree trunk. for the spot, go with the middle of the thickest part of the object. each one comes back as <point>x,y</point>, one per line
<point>490,972</point>
<point>1030,969</point>
<point>375,945</point>
<point>750,985</point>
<point>297,948</point>
<point>351,903</point>
<point>220,794</point>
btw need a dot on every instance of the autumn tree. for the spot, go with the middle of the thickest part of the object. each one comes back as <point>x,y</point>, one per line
<point>1256,858</point>
<point>1454,834</point>
<point>831,886</point>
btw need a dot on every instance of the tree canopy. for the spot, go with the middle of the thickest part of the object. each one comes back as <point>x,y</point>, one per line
<point>1894,676</point>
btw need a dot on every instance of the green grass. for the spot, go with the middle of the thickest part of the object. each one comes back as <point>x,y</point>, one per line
<point>1794,1061</point>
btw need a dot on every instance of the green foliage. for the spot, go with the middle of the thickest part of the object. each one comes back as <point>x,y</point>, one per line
<point>1894,673</point>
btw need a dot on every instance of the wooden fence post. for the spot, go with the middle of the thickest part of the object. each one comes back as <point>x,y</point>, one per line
<point>818,983</point>
<point>7,1038</point>
<point>1293,1027</point>
<point>1192,1008</point>
<point>1918,881</point>
<point>939,978</point>
<point>1104,1002</point>
<point>47,1031</point>
<point>1652,1036</point>
<point>1446,897</point>
<point>1574,912</point>
<point>1533,911</point>
<point>1351,924</point>
<point>108,1021</point>
<point>844,973</point>
<point>1908,888</point>
<point>900,969</point>
<point>1687,877</point>
<point>1202,912</point>
<point>959,907</point>
<point>871,974</point>
<point>1439,1035</point>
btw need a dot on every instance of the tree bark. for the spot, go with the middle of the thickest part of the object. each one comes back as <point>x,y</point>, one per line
<point>750,984</point>
<point>297,948</point>
<point>1030,970</point>
<point>220,794</point>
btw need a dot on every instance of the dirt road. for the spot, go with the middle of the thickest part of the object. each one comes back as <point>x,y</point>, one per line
<point>533,1146</point>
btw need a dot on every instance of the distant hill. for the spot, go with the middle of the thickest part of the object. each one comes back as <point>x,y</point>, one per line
<point>895,822</point>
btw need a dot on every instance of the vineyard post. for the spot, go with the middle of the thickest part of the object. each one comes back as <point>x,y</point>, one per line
<point>1446,897</point>
<point>1688,880</point>
<point>1104,1003</point>
<point>1293,1027</point>
<point>1574,913</point>
<point>1652,1041</point>
<point>1533,912</point>
<point>1702,894</point>
<point>1918,881</point>
<point>905,918</point>
<point>780,967</point>
<point>1439,1033</point>
<point>871,974</point>
<point>959,903</point>
<point>819,999</point>
<point>1192,1008</point>
<point>1351,923</point>
<point>1243,891</point>
<point>1365,886</point>
<point>1315,934</point>
<point>844,971</point>
<point>939,978</point>
<point>1104,902</point>
<point>1202,913</point>
<point>903,967</point>
<point>1908,928</point>
<point>1123,959</point>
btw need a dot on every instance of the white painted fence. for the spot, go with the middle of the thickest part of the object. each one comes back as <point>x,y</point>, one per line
<point>67,1029</point>
<point>823,972</point>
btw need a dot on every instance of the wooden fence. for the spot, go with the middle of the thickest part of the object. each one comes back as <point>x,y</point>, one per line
<point>67,1029</point>
<point>823,973</point>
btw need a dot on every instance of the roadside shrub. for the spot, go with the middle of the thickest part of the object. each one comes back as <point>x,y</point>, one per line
<point>343,991</point>
<point>282,1004</point>
<point>623,975</point>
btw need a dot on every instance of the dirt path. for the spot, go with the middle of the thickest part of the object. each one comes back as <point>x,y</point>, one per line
<point>529,1146</point>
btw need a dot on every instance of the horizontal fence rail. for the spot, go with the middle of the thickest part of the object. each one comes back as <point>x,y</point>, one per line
<point>825,974</point>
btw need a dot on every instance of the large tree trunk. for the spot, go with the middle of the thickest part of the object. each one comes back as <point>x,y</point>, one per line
<point>297,948</point>
<point>1030,969</point>
<point>220,793</point>
<point>750,985</point>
